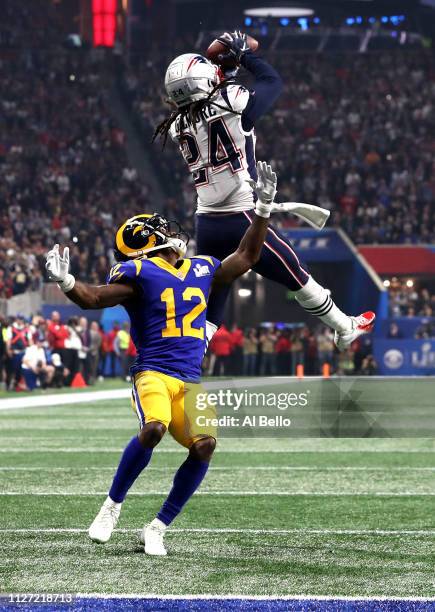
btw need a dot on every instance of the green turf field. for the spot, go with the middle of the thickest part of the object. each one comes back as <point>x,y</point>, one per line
<point>347,517</point>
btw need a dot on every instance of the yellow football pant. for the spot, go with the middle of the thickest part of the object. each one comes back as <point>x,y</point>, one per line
<point>180,406</point>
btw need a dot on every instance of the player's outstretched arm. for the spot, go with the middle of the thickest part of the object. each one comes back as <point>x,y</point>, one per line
<point>249,250</point>
<point>267,85</point>
<point>84,295</point>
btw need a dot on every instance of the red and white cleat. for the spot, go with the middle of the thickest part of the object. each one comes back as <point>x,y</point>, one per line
<point>360,325</point>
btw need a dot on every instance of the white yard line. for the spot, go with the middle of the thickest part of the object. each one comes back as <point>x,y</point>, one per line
<point>230,494</point>
<point>34,401</point>
<point>248,531</point>
<point>62,399</point>
<point>272,468</point>
<point>221,449</point>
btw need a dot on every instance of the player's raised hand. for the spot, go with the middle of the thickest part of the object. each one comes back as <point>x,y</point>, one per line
<point>57,267</point>
<point>265,188</point>
<point>237,45</point>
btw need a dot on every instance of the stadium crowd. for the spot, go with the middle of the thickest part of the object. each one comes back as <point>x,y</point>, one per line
<point>65,174</point>
<point>355,135</point>
<point>407,300</point>
<point>281,350</point>
<point>49,352</point>
<point>42,353</point>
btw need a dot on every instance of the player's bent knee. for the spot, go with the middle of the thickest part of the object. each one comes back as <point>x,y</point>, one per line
<point>151,434</point>
<point>203,449</point>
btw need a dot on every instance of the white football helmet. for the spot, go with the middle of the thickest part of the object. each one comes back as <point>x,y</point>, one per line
<point>190,77</point>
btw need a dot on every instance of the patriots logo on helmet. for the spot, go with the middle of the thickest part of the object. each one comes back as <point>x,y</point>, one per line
<point>190,77</point>
<point>199,59</point>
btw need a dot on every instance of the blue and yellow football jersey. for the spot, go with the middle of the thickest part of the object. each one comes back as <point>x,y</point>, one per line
<point>168,318</point>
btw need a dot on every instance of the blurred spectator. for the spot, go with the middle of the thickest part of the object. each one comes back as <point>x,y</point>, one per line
<point>121,345</point>
<point>18,338</point>
<point>297,351</point>
<point>394,331</point>
<point>221,345</point>
<point>325,346</point>
<point>3,341</point>
<point>346,364</point>
<point>237,350</point>
<point>426,331</point>
<point>283,358</point>
<point>36,370</point>
<point>73,348</point>
<point>410,301</point>
<point>57,334</point>
<point>310,352</point>
<point>85,358</point>
<point>95,342</point>
<point>250,352</point>
<point>267,342</point>
<point>112,357</point>
<point>369,366</point>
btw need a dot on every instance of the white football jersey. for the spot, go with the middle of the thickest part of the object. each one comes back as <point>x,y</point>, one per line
<point>219,153</point>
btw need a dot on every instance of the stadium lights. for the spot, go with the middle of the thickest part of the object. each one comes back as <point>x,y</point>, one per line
<point>303,22</point>
<point>279,11</point>
<point>244,293</point>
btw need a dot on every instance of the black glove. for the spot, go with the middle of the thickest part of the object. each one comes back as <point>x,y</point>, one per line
<point>237,45</point>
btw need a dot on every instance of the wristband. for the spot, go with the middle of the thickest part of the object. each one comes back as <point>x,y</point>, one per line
<point>67,284</point>
<point>262,209</point>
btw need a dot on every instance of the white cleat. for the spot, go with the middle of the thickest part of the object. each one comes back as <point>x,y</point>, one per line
<point>105,521</point>
<point>360,325</point>
<point>152,538</point>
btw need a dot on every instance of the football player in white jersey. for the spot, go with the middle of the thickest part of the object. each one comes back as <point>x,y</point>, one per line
<point>213,123</point>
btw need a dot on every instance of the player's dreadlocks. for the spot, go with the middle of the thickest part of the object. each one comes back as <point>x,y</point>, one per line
<point>192,111</point>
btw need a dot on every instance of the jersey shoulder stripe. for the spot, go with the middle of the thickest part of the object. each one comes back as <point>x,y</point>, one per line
<point>211,260</point>
<point>237,97</point>
<point>125,269</point>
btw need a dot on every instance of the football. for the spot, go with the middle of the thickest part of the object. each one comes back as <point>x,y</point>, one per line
<point>216,48</point>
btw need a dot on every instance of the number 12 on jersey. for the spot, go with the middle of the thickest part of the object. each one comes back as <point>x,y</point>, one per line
<point>171,330</point>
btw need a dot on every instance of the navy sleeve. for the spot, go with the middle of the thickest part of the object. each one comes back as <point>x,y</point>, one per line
<point>267,88</point>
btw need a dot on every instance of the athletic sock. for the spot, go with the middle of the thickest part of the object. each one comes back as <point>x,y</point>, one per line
<point>316,301</point>
<point>186,481</point>
<point>134,459</point>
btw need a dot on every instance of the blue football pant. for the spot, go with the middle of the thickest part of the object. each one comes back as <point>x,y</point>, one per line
<point>220,234</point>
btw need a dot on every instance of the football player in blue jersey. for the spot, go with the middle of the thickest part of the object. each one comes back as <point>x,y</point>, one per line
<point>165,295</point>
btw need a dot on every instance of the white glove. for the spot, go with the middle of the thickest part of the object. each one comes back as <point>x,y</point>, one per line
<point>57,267</point>
<point>316,216</point>
<point>265,188</point>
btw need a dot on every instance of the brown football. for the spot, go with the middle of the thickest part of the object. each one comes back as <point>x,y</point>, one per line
<point>216,48</point>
